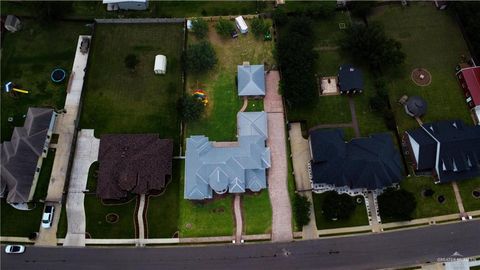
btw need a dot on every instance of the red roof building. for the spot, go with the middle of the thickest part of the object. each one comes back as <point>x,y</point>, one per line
<point>469,79</point>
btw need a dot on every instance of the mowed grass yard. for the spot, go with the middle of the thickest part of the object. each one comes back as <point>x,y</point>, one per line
<point>219,123</point>
<point>430,40</point>
<point>28,58</point>
<point>17,222</point>
<point>466,188</point>
<point>358,218</point>
<point>118,100</point>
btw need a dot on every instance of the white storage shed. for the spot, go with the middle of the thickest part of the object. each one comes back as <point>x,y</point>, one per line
<point>241,25</point>
<point>160,64</point>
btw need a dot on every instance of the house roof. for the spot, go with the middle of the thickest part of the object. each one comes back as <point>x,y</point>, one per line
<point>349,78</point>
<point>416,106</point>
<point>235,168</point>
<point>133,163</point>
<point>251,80</point>
<point>123,1</point>
<point>19,156</point>
<point>11,20</point>
<point>471,76</point>
<point>252,123</point>
<point>371,163</point>
<point>456,151</point>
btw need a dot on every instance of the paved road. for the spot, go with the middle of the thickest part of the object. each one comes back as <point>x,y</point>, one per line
<point>392,249</point>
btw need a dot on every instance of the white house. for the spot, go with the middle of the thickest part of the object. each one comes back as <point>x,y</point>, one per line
<point>160,64</point>
<point>241,25</point>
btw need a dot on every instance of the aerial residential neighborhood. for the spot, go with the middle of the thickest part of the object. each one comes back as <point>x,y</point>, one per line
<point>240,134</point>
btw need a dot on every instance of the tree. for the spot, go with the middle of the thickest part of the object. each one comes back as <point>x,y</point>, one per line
<point>199,28</point>
<point>301,209</point>
<point>361,9</point>
<point>468,13</point>
<point>190,108</point>
<point>371,44</point>
<point>397,204</point>
<point>259,27</point>
<point>279,16</point>
<point>200,57</point>
<point>224,27</point>
<point>50,10</point>
<point>131,61</point>
<point>337,206</point>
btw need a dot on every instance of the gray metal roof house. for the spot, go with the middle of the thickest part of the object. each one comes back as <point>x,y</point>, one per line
<point>234,167</point>
<point>251,80</point>
<point>22,156</point>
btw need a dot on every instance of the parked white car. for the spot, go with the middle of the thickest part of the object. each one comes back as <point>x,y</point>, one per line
<point>14,249</point>
<point>47,217</point>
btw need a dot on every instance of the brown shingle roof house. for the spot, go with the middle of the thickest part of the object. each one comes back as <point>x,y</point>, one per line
<point>133,163</point>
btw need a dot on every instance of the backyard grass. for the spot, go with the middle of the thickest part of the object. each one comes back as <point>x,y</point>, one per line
<point>19,223</point>
<point>163,210</point>
<point>44,178</point>
<point>257,213</point>
<point>205,218</point>
<point>96,212</point>
<point>431,40</point>
<point>466,188</point>
<point>358,218</point>
<point>118,100</point>
<point>219,119</point>
<point>429,206</point>
<point>28,58</point>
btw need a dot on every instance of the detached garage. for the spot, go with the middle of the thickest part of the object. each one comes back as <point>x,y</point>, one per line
<point>160,64</point>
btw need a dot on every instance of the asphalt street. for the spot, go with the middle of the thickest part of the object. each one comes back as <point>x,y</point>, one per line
<point>388,249</point>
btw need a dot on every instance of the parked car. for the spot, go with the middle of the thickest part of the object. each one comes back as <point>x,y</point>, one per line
<point>14,249</point>
<point>48,216</point>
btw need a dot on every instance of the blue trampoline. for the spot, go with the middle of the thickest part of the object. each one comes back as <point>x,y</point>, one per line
<point>58,75</point>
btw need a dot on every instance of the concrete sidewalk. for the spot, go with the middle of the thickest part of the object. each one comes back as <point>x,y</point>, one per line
<point>301,157</point>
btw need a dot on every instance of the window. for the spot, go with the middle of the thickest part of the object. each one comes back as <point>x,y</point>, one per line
<point>38,169</point>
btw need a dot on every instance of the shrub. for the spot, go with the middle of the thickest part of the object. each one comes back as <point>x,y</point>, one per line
<point>199,28</point>
<point>200,57</point>
<point>337,206</point>
<point>224,27</point>
<point>259,27</point>
<point>131,61</point>
<point>301,209</point>
<point>190,108</point>
<point>397,204</point>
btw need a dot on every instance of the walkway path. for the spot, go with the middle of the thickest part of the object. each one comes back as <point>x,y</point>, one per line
<point>372,210</point>
<point>277,174</point>
<point>238,218</point>
<point>245,104</point>
<point>458,198</point>
<point>86,153</point>
<point>301,157</point>
<point>351,103</point>
<point>65,127</point>
<point>141,224</point>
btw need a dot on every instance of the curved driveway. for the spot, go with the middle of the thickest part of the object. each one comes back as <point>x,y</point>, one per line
<point>390,249</point>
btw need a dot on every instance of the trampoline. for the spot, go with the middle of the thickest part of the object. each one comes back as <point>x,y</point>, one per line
<point>58,75</point>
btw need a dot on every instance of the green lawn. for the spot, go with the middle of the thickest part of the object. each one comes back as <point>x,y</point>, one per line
<point>205,218</point>
<point>163,210</point>
<point>257,213</point>
<point>19,223</point>
<point>219,121</point>
<point>96,212</point>
<point>431,40</point>
<point>429,206</point>
<point>44,178</point>
<point>466,188</point>
<point>62,227</point>
<point>358,218</point>
<point>28,58</point>
<point>120,101</point>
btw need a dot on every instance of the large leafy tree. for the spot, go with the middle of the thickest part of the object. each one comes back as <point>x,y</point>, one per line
<point>200,57</point>
<point>469,12</point>
<point>361,9</point>
<point>199,28</point>
<point>259,27</point>
<point>301,209</point>
<point>370,44</point>
<point>296,58</point>
<point>190,108</point>
<point>337,206</point>
<point>397,204</point>
<point>224,27</point>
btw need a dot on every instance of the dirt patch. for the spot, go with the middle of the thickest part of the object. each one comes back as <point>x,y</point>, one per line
<point>421,77</point>
<point>112,218</point>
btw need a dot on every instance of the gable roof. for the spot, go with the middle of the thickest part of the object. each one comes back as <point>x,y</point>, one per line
<point>456,151</point>
<point>19,156</point>
<point>370,163</point>
<point>349,78</point>
<point>133,163</point>
<point>252,123</point>
<point>251,80</point>
<point>471,76</point>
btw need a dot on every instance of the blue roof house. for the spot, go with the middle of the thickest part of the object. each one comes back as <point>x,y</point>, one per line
<point>251,80</point>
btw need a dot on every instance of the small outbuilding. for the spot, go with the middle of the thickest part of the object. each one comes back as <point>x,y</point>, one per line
<point>126,4</point>
<point>350,80</point>
<point>241,25</point>
<point>12,23</point>
<point>160,64</point>
<point>415,106</point>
